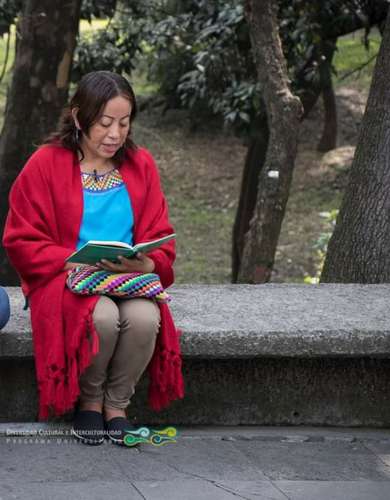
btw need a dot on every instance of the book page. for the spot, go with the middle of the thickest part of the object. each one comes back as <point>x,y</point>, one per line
<point>109,243</point>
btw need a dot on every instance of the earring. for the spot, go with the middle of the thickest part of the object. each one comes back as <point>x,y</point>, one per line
<point>76,134</point>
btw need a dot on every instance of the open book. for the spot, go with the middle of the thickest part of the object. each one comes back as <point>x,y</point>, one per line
<point>94,251</point>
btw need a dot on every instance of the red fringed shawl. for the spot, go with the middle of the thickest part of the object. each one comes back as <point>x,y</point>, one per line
<point>41,231</point>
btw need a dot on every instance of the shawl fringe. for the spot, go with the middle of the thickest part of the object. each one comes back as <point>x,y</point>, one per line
<point>60,389</point>
<point>165,374</point>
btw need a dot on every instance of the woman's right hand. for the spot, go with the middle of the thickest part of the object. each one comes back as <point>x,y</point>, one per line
<point>71,265</point>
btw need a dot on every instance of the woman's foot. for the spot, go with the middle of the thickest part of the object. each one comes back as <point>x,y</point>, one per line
<point>117,426</point>
<point>119,431</point>
<point>88,427</point>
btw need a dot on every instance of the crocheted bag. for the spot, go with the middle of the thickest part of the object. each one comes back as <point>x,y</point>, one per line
<point>90,280</point>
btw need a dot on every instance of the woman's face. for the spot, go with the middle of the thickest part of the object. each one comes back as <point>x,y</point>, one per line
<point>109,133</point>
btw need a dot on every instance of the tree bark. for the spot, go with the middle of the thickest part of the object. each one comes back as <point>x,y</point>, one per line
<point>47,38</point>
<point>255,158</point>
<point>359,249</point>
<point>254,163</point>
<point>283,114</point>
<point>328,139</point>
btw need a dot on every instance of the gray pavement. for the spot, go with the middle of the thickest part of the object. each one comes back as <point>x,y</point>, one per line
<point>39,461</point>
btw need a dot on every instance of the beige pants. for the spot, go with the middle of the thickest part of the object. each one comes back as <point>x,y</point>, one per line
<point>127,330</point>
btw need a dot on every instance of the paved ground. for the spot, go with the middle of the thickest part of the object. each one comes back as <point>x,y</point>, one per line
<point>216,463</point>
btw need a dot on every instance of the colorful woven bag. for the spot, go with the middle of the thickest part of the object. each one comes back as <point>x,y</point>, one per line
<point>90,280</point>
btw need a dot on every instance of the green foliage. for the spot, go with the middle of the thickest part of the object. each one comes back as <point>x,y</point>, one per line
<point>97,9</point>
<point>201,54</point>
<point>9,9</point>
<point>199,51</point>
<point>202,59</point>
<point>112,48</point>
<point>170,57</point>
<point>309,32</point>
<point>351,54</point>
<point>104,50</point>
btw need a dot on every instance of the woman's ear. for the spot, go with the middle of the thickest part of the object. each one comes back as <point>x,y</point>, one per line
<point>74,112</point>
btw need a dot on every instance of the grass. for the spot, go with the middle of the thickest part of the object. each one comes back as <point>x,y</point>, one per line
<point>296,257</point>
<point>351,54</point>
<point>202,249</point>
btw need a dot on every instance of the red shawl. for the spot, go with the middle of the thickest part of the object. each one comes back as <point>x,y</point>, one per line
<point>41,231</point>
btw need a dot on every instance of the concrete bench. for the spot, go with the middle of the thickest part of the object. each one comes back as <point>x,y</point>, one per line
<point>275,354</point>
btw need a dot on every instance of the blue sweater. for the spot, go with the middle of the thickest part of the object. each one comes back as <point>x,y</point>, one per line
<point>107,212</point>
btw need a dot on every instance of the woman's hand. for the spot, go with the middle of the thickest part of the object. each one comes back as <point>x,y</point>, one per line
<point>141,263</point>
<point>71,265</point>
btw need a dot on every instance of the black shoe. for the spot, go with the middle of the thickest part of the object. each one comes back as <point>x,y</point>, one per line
<point>117,429</point>
<point>88,427</point>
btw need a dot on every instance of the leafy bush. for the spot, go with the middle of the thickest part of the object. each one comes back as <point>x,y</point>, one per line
<point>203,61</point>
<point>97,9</point>
<point>104,50</point>
<point>199,51</point>
<point>115,47</point>
<point>202,54</point>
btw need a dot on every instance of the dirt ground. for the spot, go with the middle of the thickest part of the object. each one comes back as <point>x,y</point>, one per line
<point>201,175</point>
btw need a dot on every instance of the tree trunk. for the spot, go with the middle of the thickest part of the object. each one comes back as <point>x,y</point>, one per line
<point>254,162</point>
<point>283,114</point>
<point>359,249</point>
<point>39,89</point>
<point>328,140</point>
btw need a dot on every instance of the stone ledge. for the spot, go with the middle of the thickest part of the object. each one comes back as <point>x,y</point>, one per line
<point>274,354</point>
<point>248,321</point>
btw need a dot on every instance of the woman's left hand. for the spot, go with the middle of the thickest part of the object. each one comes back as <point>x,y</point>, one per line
<point>141,263</point>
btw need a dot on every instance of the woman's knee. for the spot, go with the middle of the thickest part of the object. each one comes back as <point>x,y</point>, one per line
<point>106,318</point>
<point>141,317</point>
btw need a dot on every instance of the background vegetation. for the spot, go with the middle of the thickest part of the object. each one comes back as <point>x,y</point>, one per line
<point>201,166</point>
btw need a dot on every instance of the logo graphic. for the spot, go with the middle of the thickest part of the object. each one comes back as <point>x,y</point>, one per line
<point>150,436</point>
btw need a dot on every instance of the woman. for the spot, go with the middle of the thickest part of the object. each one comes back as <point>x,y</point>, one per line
<point>90,182</point>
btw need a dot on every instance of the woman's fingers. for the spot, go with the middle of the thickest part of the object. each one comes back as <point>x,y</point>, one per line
<point>139,263</point>
<point>127,265</point>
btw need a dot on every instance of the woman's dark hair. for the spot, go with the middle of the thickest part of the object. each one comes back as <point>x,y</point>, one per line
<point>92,94</point>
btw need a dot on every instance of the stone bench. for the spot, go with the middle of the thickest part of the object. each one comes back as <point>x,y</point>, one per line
<point>275,354</point>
